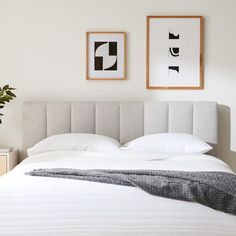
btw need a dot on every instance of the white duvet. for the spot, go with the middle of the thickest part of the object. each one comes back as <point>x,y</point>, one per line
<point>49,206</point>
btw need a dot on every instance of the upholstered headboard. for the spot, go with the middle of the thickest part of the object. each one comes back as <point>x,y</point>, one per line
<point>123,121</point>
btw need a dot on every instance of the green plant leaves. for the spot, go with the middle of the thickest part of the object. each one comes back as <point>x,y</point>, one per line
<point>6,95</point>
<point>8,92</point>
<point>6,87</point>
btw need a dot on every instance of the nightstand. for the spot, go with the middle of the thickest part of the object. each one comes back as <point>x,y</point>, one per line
<point>8,160</point>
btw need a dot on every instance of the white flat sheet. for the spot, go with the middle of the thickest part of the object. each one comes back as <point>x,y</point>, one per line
<point>49,206</point>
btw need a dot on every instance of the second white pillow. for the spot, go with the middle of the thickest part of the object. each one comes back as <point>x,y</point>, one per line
<point>168,143</point>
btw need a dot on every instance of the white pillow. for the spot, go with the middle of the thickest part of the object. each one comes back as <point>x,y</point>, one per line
<point>168,143</point>
<point>81,142</point>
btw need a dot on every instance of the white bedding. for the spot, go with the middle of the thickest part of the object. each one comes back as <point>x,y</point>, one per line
<point>49,206</point>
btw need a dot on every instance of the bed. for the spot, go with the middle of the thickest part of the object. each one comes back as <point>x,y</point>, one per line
<point>54,206</point>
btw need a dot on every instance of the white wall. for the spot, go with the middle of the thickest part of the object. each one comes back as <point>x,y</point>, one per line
<point>42,54</point>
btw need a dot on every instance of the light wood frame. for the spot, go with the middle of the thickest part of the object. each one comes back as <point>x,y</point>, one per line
<point>201,86</point>
<point>87,54</point>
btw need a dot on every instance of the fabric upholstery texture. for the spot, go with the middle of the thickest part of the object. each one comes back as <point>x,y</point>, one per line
<point>123,121</point>
<point>82,117</point>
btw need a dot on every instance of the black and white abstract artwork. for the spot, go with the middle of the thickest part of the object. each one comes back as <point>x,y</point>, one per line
<point>174,53</point>
<point>106,55</point>
<point>174,34</point>
<point>174,56</point>
<point>173,70</point>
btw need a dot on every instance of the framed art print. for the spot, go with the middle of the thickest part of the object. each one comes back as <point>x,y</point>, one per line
<point>174,52</point>
<point>106,55</point>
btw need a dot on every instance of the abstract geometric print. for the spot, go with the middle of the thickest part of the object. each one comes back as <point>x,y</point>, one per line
<point>105,56</point>
<point>174,52</point>
<point>173,70</point>
<point>174,34</point>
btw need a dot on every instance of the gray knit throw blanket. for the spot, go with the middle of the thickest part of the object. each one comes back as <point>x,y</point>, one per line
<point>211,188</point>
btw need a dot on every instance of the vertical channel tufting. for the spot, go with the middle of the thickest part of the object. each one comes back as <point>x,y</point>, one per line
<point>46,120</point>
<point>123,121</point>
<point>107,119</point>
<point>83,117</point>
<point>131,121</point>
<point>58,118</point>
<point>34,124</point>
<point>205,121</point>
<point>95,118</point>
<point>155,117</point>
<point>181,117</point>
<point>70,120</point>
<point>193,118</point>
<point>168,118</point>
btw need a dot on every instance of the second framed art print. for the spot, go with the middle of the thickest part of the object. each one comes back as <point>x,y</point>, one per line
<point>106,55</point>
<point>174,52</point>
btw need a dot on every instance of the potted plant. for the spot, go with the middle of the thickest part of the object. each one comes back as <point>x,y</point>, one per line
<point>6,95</point>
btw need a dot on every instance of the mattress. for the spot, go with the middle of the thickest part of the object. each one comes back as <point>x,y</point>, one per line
<point>42,206</point>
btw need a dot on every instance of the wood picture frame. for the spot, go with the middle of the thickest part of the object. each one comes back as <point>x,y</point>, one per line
<point>105,55</point>
<point>189,52</point>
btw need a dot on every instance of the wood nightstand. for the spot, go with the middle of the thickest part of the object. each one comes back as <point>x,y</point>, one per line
<point>8,160</point>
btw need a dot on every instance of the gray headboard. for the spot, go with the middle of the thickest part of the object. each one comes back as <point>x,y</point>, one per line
<point>123,121</point>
